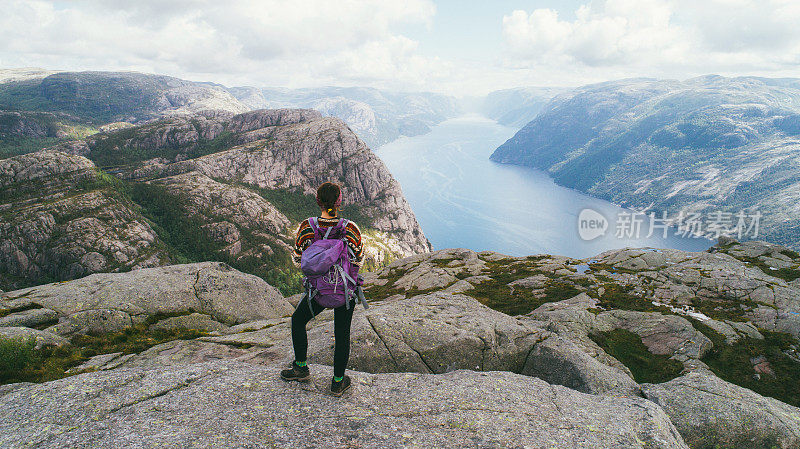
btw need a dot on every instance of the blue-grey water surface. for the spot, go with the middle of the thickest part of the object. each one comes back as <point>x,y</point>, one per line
<point>462,199</point>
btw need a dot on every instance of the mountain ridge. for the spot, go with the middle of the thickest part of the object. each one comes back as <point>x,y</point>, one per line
<point>695,146</point>
<point>204,187</point>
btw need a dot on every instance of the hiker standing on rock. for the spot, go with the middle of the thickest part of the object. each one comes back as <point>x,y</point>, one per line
<point>329,251</point>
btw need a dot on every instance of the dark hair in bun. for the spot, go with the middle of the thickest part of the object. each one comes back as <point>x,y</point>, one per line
<point>329,197</point>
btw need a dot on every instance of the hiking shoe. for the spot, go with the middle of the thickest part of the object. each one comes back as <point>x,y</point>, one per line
<point>338,388</point>
<point>298,373</point>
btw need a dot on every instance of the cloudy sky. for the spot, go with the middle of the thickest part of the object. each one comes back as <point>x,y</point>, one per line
<point>458,47</point>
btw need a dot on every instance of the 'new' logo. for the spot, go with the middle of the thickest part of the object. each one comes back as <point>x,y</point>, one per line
<point>591,224</point>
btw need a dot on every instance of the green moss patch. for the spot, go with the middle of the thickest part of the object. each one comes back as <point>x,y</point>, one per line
<point>616,296</point>
<point>503,298</point>
<point>646,367</point>
<point>20,362</point>
<point>497,294</point>
<point>441,263</point>
<point>790,253</point>
<point>723,310</point>
<point>733,363</point>
<point>6,312</point>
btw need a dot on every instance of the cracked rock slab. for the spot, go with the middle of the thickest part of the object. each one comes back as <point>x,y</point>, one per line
<point>432,333</point>
<point>228,404</point>
<point>710,412</point>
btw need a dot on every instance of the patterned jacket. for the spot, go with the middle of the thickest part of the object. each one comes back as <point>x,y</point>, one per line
<point>305,235</point>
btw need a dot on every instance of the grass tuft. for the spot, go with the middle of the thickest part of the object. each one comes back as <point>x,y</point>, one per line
<point>21,362</point>
<point>16,354</point>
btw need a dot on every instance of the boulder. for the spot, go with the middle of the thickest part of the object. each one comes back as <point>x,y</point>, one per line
<point>229,404</point>
<point>433,333</point>
<point>712,413</point>
<point>197,321</point>
<point>43,338</point>
<point>29,318</point>
<point>560,361</point>
<point>110,302</point>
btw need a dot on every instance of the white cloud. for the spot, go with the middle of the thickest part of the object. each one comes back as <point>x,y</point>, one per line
<point>620,32</point>
<point>263,42</point>
<point>360,42</point>
<point>658,38</point>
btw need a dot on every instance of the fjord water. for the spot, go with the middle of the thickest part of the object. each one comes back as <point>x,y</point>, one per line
<point>464,200</point>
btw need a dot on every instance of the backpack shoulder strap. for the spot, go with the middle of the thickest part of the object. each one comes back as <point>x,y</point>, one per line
<point>312,221</point>
<point>342,226</point>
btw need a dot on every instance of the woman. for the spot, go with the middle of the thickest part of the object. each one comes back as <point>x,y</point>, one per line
<point>329,200</point>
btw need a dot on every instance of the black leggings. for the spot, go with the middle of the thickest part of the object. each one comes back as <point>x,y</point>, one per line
<point>341,333</point>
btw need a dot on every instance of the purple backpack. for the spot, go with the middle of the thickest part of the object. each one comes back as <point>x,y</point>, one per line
<point>330,278</point>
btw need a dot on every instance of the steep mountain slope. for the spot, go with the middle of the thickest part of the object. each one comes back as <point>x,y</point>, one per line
<point>215,186</point>
<point>24,132</point>
<point>63,219</point>
<point>516,107</point>
<point>376,116</point>
<point>701,145</point>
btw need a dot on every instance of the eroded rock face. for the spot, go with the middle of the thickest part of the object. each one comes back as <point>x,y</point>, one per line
<point>61,222</point>
<point>307,154</point>
<point>710,412</point>
<point>110,302</point>
<point>234,404</point>
<point>18,124</point>
<point>216,160</point>
<point>240,219</point>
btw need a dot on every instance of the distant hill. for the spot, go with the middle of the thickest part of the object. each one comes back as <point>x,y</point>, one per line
<point>698,145</point>
<point>39,108</point>
<point>84,101</point>
<point>518,106</point>
<point>103,97</point>
<point>377,116</point>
